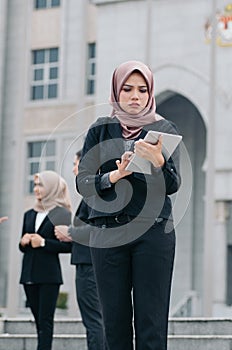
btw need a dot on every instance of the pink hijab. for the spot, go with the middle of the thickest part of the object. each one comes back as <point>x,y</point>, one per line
<point>56,192</point>
<point>133,124</point>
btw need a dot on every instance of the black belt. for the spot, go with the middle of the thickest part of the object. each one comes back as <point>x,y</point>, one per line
<point>112,221</point>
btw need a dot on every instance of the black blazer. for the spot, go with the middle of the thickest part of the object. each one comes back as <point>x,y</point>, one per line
<point>104,144</point>
<point>42,265</point>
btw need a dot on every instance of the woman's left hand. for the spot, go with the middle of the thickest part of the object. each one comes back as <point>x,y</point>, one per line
<point>151,152</point>
<point>36,240</point>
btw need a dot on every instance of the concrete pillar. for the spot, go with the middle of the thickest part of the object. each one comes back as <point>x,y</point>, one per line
<point>219,237</point>
<point>12,167</point>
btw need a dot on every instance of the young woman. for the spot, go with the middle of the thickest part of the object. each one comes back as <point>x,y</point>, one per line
<point>133,237</point>
<point>41,271</point>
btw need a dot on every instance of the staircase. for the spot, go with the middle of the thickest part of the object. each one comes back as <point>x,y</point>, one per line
<point>69,334</point>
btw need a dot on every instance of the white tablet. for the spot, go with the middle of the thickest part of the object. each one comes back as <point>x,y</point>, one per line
<point>169,144</point>
<point>169,141</point>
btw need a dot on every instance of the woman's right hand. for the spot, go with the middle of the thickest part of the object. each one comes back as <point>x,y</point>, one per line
<point>118,174</point>
<point>25,240</point>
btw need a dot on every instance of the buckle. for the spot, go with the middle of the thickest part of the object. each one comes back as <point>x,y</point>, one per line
<point>116,219</point>
<point>124,219</point>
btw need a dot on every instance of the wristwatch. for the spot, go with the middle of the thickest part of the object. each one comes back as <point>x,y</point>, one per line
<point>42,243</point>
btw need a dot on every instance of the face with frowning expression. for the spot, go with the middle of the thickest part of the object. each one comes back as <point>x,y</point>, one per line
<point>134,96</point>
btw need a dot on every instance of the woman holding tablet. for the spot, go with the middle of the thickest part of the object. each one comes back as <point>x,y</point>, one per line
<point>133,238</point>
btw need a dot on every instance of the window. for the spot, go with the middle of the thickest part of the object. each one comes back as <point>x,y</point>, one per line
<point>40,157</point>
<point>91,69</point>
<point>45,74</point>
<point>41,4</point>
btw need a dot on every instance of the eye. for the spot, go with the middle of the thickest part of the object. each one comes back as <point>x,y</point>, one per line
<point>126,88</point>
<point>143,90</point>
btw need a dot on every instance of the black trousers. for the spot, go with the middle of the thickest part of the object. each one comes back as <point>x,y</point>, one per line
<point>134,282</point>
<point>42,300</point>
<point>88,301</point>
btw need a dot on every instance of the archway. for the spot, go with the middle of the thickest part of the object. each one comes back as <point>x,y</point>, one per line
<point>190,230</point>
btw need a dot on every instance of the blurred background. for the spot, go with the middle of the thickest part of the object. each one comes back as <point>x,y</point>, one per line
<point>56,63</point>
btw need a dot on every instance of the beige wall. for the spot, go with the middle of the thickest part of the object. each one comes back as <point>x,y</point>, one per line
<point>45,28</point>
<point>39,120</point>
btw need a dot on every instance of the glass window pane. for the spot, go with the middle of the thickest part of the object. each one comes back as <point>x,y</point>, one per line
<point>92,48</point>
<point>41,155</point>
<point>38,56</point>
<point>53,74</point>
<point>52,90</point>
<point>34,168</point>
<point>55,3</point>
<point>92,68</point>
<point>38,74</point>
<point>37,92</point>
<point>40,4</point>
<point>31,186</point>
<point>90,87</point>
<point>34,149</point>
<point>50,165</point>
<point>50,148</point>
<point>53,55</point>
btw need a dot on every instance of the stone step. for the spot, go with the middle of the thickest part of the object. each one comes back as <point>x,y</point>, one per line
<point>184,334</point>
<point>200,326</point>
<point>177,326</point>
<point>78,342</point>
<point>29,341</point>
<point>27,326</point>
<point>200,342</point>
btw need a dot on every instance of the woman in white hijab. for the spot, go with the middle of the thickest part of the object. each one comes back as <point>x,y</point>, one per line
<point>41,271</point>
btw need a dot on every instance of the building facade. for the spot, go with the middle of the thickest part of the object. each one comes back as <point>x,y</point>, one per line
<point>56,62</point>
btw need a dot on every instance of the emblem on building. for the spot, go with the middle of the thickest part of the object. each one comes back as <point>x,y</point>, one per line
<point>224,27</point>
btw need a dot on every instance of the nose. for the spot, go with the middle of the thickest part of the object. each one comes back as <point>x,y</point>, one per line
<point>75,170</point>
<point>135,95</point>
<point>36,189</point>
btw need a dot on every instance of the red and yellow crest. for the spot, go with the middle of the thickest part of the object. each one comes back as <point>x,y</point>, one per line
<point>224,27</point>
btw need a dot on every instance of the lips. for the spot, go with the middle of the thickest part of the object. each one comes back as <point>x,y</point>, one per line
<point>134,105</point>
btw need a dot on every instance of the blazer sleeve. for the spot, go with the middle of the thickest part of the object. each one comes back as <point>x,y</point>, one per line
<point>88,180</point>
<point>55,246</point>
<point>171,167</point>
<point>25,217</point>
<point>58,216</point>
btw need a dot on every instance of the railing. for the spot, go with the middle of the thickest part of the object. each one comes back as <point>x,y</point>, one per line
<point>187,307</point>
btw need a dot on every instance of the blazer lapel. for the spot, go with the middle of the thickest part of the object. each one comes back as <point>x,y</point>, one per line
<point>114,130</point>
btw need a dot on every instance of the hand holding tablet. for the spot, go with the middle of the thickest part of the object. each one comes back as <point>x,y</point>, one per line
<point>169,144</point>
